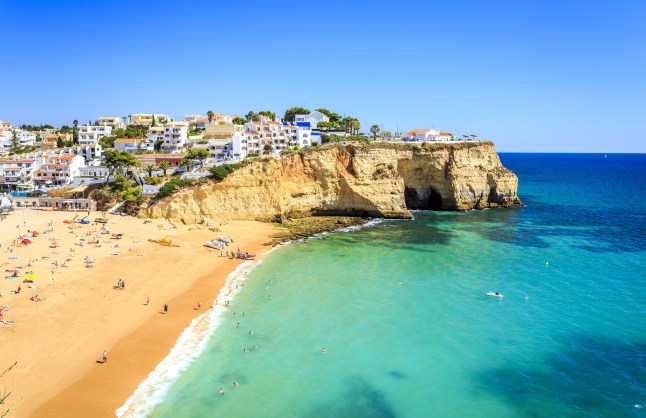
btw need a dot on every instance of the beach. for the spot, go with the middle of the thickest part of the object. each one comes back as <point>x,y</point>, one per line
<point>58,327</point>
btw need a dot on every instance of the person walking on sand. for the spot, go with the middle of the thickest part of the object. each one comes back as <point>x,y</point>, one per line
<point>166,308</point>
<point>148,300</point>
<point>105,356</point>
<point>199,305</point>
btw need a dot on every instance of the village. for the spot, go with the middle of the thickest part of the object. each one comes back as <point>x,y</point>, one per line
<point>34,160</point>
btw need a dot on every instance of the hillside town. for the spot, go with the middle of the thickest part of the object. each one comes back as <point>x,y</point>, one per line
<point>37,159</point>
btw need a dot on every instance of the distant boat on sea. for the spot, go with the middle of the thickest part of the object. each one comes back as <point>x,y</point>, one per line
<point>605,156</point>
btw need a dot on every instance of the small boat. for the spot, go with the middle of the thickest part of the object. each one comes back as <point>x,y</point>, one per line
<point>495,294</point>
<point>245,256</point>
<point>215,244</point>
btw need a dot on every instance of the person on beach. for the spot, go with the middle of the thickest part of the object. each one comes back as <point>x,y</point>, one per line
<point>105,356</point>
<point>199,305</point>
<point>148,300</point>
<point>166,308</point>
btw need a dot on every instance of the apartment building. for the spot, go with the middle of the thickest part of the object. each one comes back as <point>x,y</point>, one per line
<point>146,119</point>
<point>175,136</point>
<point>90,134</point>
<point>112,121</point>
<point>17,173</point>
<point>57,170</point>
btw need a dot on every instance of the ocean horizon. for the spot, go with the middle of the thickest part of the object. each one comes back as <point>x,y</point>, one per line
<point>393,319</point>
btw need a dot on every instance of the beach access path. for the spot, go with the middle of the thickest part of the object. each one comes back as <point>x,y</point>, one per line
<point>58,342</point>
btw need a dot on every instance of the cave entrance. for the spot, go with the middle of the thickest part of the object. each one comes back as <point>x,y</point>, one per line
<point>432,201</point>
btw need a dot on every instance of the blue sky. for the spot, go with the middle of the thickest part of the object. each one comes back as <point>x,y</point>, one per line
<point>545,76</point>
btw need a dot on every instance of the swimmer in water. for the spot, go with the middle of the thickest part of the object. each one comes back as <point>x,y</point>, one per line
<point>255,347</point>
<point>221,391</point>
<point>235,383</point>
<point>323,350</point>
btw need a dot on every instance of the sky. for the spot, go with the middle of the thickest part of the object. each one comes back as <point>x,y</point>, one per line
<point>532,76</point>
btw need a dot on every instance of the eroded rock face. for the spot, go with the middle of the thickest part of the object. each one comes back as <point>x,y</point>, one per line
<point>377,180</point>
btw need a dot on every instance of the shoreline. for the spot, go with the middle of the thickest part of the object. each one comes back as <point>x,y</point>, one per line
<point>80,314</point>
<point>96,390</point>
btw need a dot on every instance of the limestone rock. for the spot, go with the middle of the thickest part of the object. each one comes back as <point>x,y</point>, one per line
<point>376,180</point>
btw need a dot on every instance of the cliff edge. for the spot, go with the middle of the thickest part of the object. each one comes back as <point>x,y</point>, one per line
<point>375,180</point>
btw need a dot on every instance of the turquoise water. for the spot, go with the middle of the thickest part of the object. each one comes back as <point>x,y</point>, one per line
<point>401,309</point>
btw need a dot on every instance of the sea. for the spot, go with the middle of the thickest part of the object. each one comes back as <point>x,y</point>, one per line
<point>393,319</point>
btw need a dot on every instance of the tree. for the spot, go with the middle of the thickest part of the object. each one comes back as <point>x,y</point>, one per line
<point>267,149</point>
<point>271,115</point>
<point>375,129</point>
<point>356,125</point>
<point>75,131</point>
<point>239,121</point>
<point>210,114</point>
<point>117,160</point>
<point>15,143</point>
<point>154,123</point>
<point>149,169</point>
<point>164,165</point>
<point>252,116</point>
<point>290,114</point>
<point>195,155</point>
<point>107,141</point>
<point>334,117</point>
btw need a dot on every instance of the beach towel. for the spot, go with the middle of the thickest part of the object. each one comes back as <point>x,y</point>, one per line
<point>9,277</point>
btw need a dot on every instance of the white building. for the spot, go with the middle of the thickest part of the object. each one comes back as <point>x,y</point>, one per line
<point>90,134</point>
<point>58,170</point>
<point>113,121</point>
<point>192,119</point>
<point>313,118</point>
<point>26,138</point>
<point>429,135</point>
<point>91,153</point>
<point>100,171</point>
<point>156,134</point>
<point>175,136</point>
<point>133,145</point>
<point>17,173</point>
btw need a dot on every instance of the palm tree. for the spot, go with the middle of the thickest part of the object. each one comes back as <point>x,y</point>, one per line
<point>149,169</point>
<point>356,125</point>
<point>210,114</point>
<point>164,165</point>
<point>375,130</point>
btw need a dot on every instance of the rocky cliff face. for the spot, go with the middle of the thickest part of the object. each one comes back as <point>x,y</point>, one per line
<point>377,180</point>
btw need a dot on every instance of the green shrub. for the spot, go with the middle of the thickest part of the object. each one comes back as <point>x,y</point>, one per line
<point>154,180</point>
<point>172,187</point>
<point>221,171</point>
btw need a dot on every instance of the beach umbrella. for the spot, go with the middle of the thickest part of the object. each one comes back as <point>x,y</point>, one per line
<point>26,241</point>
<point>34,233</point>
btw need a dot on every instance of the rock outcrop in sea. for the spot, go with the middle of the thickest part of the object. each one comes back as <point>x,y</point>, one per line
<point>365,180</point>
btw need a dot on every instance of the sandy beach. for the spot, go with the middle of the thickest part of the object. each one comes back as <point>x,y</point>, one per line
<point>58,341</point>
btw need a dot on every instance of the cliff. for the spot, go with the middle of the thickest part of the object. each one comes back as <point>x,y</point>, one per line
<point>376,180</point>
